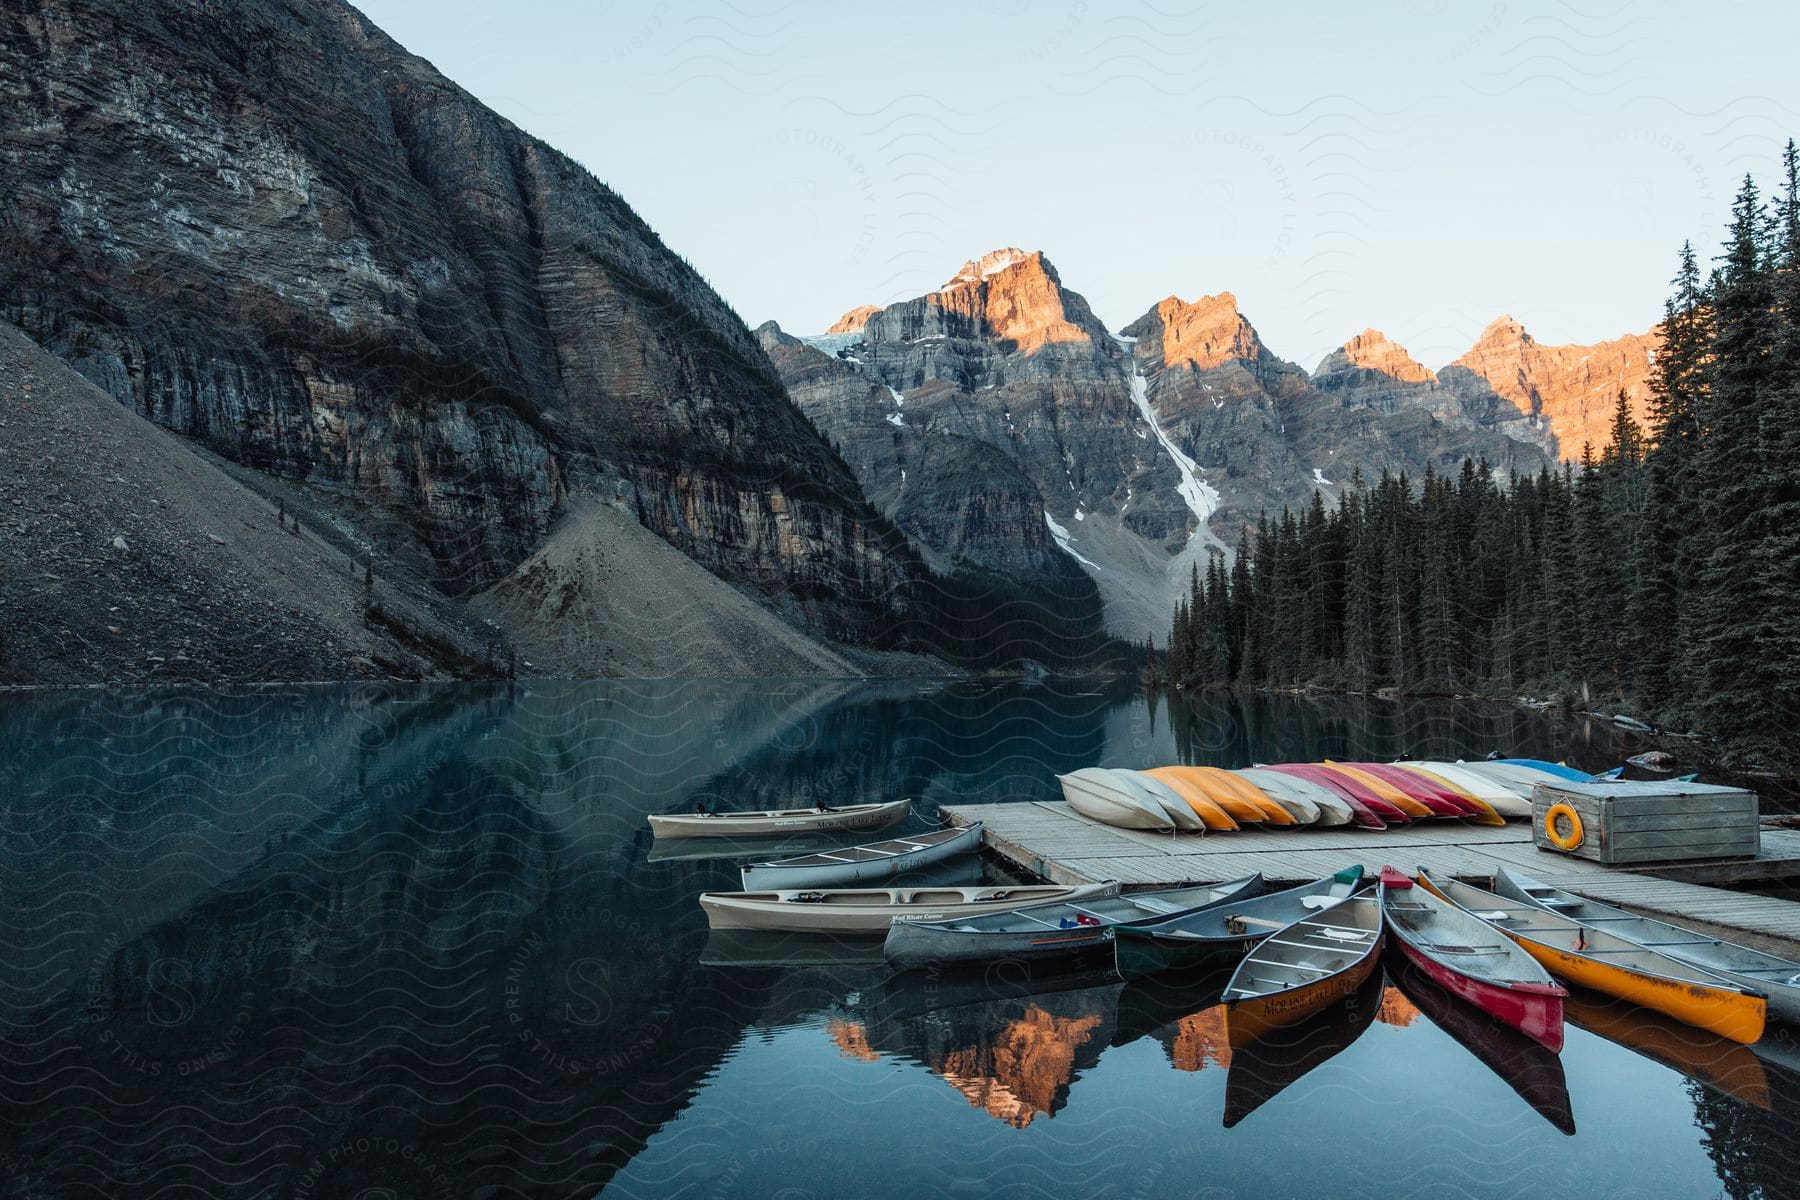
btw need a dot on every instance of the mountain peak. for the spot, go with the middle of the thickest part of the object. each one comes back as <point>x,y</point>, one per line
<point>1202,334</point>
<point>855,319</point>
<point>992,263</point>
<point>1501,330</point>
<point>1373,350</point>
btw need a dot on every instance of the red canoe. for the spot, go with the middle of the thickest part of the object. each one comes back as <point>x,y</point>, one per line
<point>1440,801</point>
<point>1469,958</point>
<point>1372,812</point>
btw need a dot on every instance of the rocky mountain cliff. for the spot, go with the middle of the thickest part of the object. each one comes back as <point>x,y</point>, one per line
<point>972,411</point>
<point>1567,394</point>
<point>266,226</point>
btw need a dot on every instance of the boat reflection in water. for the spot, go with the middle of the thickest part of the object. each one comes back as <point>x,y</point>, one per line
<point>1526,1066</point>
<point>1261,1066</point>
<point>1729,1068</point>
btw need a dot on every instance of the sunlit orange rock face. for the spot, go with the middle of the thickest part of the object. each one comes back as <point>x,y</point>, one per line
<point>1009,296</point>
<point>1573,389</point>
<point>852,1040</point>
<point>1373,350</point>
<point>1020,1073</point>
<point>1396,1009</point>
<point>1200,1040</point>
<point>854,320</point>
<point>1204,333</point>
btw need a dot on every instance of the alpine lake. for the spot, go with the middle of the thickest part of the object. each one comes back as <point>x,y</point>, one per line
<point>417,941</point>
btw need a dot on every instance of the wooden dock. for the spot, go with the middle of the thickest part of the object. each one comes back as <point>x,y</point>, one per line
<point>1052,840</point>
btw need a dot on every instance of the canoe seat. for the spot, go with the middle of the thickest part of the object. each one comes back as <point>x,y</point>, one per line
<point>1160,906</point>
<point>1554,902</point>
<point>1408,906</point>
<point>1484,949</point>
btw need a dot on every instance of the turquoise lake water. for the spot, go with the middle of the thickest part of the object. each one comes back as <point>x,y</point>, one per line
<point>393,940</point>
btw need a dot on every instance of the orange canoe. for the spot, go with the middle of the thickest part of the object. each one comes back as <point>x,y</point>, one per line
<point>1196,796</point>
<point>1242,811</point>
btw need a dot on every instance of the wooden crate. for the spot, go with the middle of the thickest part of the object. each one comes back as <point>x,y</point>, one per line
<point>1648,822</point>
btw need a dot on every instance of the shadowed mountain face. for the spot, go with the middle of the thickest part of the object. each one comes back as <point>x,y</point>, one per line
<point>267,226</point>
<point>976,413</point>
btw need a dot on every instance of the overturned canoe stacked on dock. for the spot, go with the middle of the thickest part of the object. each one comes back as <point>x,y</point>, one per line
<point>1368,795</point>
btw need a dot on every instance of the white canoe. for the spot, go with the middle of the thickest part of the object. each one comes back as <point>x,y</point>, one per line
<point>1512,775</point>
<point>872,910</point>
<point>1098,793</point>
<point>1506,800</point>
<point>780,820</point>
<point>851,865</point>
<point>1297,795</point>
<point>1181,813</point>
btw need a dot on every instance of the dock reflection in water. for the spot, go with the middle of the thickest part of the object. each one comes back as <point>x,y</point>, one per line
<point>315,941</point>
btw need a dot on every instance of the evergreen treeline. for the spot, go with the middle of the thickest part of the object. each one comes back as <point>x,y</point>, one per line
<point>1663,571</point>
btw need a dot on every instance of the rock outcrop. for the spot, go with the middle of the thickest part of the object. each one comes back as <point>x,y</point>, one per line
<point>131,555</point>
<point>268,227</point>
<point>1566,395</point>
<point>854,320</point>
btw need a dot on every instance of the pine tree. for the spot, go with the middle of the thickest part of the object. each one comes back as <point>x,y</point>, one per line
<point>1732,599</point>
<point>1782,550</point>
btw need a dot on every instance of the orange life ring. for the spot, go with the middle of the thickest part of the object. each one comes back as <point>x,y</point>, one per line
<point>1563,842</point>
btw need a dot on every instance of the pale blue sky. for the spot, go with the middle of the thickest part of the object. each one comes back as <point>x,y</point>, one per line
<point>1419,166</point>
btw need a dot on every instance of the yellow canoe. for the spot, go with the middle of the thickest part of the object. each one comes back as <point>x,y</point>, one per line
<point>1484,813</point>
<point>1599,960</point>
<point>1383,789</point>
<point>1241,810</point>
<point>1196,796</point>
<point>1229,783</point>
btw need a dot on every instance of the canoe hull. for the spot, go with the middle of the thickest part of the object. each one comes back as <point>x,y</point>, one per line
<point>770,877</point>
<point>1253,1019</point>
<point>1146,947</point>
<point>1710,954</point>
<point>912,947</point>
<point>1332,808</point>
<point>1339,946</point>
<point>1365,815</point>
<point>1137,956</point>
<point>784,821</point>
<point>875,909</point>
<point>1724,1010</point>
<point>1536,1014</point>
<point>919,942</point>
<point>1214,816</point>
<point>1095,794</point>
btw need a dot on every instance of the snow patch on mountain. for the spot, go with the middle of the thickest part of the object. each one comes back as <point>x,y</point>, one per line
<point>1201,497</point>
<point>1063,539</point>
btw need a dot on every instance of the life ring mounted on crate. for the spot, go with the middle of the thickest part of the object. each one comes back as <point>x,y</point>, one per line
<point>1564,842</point>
